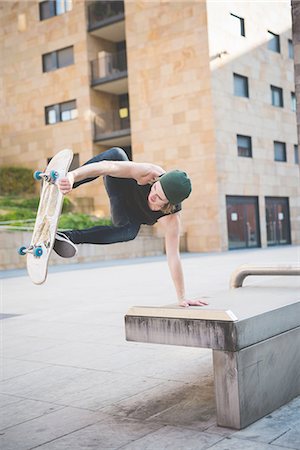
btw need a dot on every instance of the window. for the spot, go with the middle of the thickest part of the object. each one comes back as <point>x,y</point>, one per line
<point>242,222</point>
<point>61,112</point>
<point>291,49</point>
<point>277,96</point>
<point>278,221</point>
<point>57,59</point>
<point>238,24</point>
<point>273,42</point>
<point>293,101</point>
<point>296,154</point>
<point>244,145</point>
<point>279,151</point>
<point>51,8</point>
<point>240,85</point>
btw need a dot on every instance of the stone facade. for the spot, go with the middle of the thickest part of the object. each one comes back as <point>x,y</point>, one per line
<point>182,109</point>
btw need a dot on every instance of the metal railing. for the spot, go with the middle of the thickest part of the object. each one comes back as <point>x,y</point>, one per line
<point>109,65</point>
<point>111,123</point>
<point>242,272</point>
<point>101,13</point>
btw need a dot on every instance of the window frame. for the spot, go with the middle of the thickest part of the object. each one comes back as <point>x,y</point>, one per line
<point>67,6</point>
<point>242,24</point>
<point>237,76</point>
<point>296,154</point>
<point>279,90</point>
<point>55,55</point>
<point>58,109</point>
<point>293,102</point>
<point>247,149</point>
<point>284,152</point>
<point>290,49</point>
<point>275,38</point>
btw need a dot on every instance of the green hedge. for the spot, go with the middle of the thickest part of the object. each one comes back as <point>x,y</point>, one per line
<point>16,181</point>
<point>80,221</point>
<point>18,209</point>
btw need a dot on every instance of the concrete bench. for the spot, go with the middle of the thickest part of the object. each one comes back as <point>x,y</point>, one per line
<point>254,333</point>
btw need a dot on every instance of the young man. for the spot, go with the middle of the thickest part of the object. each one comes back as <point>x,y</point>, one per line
<point>139,193</point>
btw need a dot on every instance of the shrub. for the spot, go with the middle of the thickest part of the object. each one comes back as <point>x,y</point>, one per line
<point>16,181</point>
<point>80,221</point>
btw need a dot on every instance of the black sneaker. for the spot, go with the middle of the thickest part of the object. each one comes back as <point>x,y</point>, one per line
<point>63,246</point>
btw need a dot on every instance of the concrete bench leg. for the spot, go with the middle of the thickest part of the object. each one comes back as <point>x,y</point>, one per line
<point>256,380</point>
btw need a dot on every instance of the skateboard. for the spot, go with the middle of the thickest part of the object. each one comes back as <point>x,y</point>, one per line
<point>49,209</point>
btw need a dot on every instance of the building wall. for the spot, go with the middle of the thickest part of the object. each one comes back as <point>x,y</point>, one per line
<point>26,90</point>
<point>171,104</point>
<point>183,111</point>
<point>254,116</point>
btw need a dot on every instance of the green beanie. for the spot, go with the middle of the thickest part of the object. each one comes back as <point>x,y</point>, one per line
<point>176,186</point>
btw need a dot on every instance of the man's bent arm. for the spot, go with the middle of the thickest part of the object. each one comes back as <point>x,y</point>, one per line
<point>143,173</point>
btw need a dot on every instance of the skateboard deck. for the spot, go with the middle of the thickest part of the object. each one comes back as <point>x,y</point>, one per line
<point>49,210</point>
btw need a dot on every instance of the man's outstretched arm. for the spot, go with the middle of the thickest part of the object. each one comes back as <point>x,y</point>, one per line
<point>143,173</point>
<point>171,225</point>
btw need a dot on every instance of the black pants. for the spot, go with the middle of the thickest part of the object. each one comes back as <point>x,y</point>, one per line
<point>124,228</point>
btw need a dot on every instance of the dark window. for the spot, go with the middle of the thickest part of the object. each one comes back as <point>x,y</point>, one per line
<point>240,85</point>
<point>279,151</point>
<point>277,96</point>
<point>291,49</point>
<point>58,59</point>
<point>61,112</point>
<point>49,62</point>
<point>244,146</point>
<point>242,222</point>
<point>273,42</point>
<point>278,221</point>
<point>51,8</point>
<point>238,24</point>
<point>296,153</point>
<point>293,101</point>
<point>47,10</point>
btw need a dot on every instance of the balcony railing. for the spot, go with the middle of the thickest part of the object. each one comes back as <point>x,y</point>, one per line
<point>102,13</point>
<point>109,66</point>
<point>112,124</point>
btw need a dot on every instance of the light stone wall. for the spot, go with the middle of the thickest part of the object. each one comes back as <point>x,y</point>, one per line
<point>146,244</point>
<point>249,56</point>
<point>171,104</point>
<point>25,90</point>
<point>182,108</point>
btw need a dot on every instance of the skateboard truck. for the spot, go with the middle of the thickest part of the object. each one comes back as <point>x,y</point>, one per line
<point>36,251</point>
<point>49,177</point>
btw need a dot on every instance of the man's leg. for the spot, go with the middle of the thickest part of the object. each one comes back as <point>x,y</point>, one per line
<point>123,229</point>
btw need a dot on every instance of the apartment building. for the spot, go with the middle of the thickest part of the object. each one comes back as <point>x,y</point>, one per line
<point>204,86</point>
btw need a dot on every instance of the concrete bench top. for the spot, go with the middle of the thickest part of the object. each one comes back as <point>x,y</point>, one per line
<point>234,319</point>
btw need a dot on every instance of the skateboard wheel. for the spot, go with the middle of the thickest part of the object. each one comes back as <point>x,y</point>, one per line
<point>53,175</point>
<point>22,251</point>
<point>38,251</point>
<point>37,175</point>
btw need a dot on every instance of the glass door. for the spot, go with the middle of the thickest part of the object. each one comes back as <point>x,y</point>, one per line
<point>278,221</point>
<point>242,222</point>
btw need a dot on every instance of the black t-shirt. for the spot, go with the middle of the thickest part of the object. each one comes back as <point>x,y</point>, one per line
<point>136,197</point>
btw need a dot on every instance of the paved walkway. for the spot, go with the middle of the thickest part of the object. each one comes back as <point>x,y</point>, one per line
<point>69,380</point>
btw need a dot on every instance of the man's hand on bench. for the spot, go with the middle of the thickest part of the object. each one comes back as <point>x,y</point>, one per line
<point>187,303</point>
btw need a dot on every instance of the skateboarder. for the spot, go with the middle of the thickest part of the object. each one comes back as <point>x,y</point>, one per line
<point>139,193</point>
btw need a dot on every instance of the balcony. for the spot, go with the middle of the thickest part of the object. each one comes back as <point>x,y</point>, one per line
<point>107,20</point>
<point>109,72</point>
<point>113,128</point>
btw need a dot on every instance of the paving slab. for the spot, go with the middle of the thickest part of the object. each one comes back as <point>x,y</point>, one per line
<point>170,438</point>
<point>64,347</point>
<point>48,427</point>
